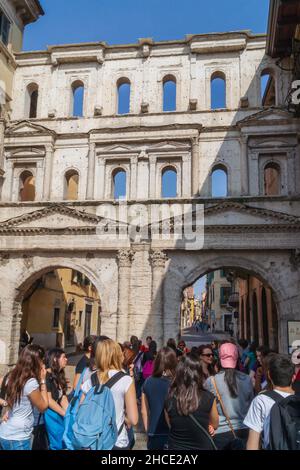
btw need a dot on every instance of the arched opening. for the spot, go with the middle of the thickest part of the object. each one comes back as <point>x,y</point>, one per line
<point>169,93</point>
<point>224,301</point>
<point>77,98</point>
<point>255,333</point>
<point>219,182</point>
<point>218,91</point>
<point>264,308</point>
<point>124,90</point>
<point>267,88</point>
<point>60,309</point>
<point>169,182</point>
<point>32,95</point>
<point>27,187</point>
<point>119,184</point>
<point>272,180</point>
<point>71,185</point>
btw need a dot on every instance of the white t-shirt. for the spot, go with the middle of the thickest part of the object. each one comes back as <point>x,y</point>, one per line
<point>19,426</point>
<point>118,392</point>
<point>258,416</point>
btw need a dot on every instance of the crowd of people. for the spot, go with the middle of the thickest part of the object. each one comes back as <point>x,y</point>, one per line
<point>219,396</point>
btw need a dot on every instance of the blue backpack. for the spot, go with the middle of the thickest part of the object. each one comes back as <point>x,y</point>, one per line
<point>71,413</point>
<point>95,425</point>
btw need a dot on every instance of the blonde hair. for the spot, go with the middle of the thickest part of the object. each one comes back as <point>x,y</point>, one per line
<point>109,356</point>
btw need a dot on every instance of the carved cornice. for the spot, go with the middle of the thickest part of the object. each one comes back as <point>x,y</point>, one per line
<point>158,259</point>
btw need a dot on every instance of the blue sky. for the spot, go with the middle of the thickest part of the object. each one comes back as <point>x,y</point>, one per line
<point>124,21</point>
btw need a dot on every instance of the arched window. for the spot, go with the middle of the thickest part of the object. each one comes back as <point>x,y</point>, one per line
<point>169,93</point>
<point>219,182</point>
<point>71,185</point>
<point>119,184</point>
<point>27,187</point>
<point>218,91</point>
<point>272,180</point>
<point>169,182</point>
<point>267,88</point>
<point>77,99</point>
<point>32,100</point>
<point>124,89</point>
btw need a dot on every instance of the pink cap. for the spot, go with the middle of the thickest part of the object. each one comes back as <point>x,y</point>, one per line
<point>228,355</point>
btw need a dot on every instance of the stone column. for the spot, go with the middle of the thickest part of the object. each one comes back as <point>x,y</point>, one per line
<point>91,171</point>
<point>186,176</point>
<point>133,172</point>
<point>48,173</point>
<point>195,166</point>
<point>101,191</point>
<point>158,260</point>
<point>152,179</point>
<point>244,166</point>
<point>1,143</point>
<point>125,258</point>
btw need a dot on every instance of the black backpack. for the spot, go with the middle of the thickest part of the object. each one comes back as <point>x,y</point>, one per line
<point>284,422</point>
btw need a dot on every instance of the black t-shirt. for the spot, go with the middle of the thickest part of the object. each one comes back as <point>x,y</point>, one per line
<point>184,433</point>
<point>51,385</point>
<point>156,390</point>
<point>82,364</point>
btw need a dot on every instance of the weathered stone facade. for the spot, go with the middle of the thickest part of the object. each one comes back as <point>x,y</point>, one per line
<point>246,230</point>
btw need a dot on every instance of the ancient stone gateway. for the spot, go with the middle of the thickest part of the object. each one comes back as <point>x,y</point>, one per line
<point>59,202</point>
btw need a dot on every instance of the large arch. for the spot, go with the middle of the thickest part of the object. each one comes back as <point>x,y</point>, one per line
<point>185,269</point>
<point>32,273</point>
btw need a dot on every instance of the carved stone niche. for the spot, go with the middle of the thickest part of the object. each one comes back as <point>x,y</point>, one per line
<point>244,103</point>
<point>193,105</point>
<point>145,108</point>
<point>98,111</point>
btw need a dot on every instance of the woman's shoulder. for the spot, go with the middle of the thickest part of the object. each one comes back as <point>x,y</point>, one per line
<point>31,385</point>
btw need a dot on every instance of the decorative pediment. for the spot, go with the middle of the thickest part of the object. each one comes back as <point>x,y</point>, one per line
<point>26,128</point>
<point>266,116</point>
<point>240,214</point>
<point>53,217</point>
<point>116,149</point>
<point>171,145</point>
<point>58,219</point>
<point>235,217</point>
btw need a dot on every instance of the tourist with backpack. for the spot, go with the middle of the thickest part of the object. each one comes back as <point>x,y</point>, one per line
<point>57,387</point>
<point>26,389</point>
<point>234,393</point>
<point>274,415</point>
<point>190,409</point>
<point>154,393</point>
<point>108,404</point>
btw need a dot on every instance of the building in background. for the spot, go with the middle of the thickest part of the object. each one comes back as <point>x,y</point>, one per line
<point>61,309</point>
<point>15,15</point>
<point>218,290</point>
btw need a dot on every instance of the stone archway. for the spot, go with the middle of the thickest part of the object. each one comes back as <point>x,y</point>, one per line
<point>185,268</point>
<point>94,268</point>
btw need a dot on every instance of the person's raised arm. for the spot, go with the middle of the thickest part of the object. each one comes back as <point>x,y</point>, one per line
<point>39,398</point>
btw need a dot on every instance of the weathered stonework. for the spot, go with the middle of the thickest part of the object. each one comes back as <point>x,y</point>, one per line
<point>139,279</point>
